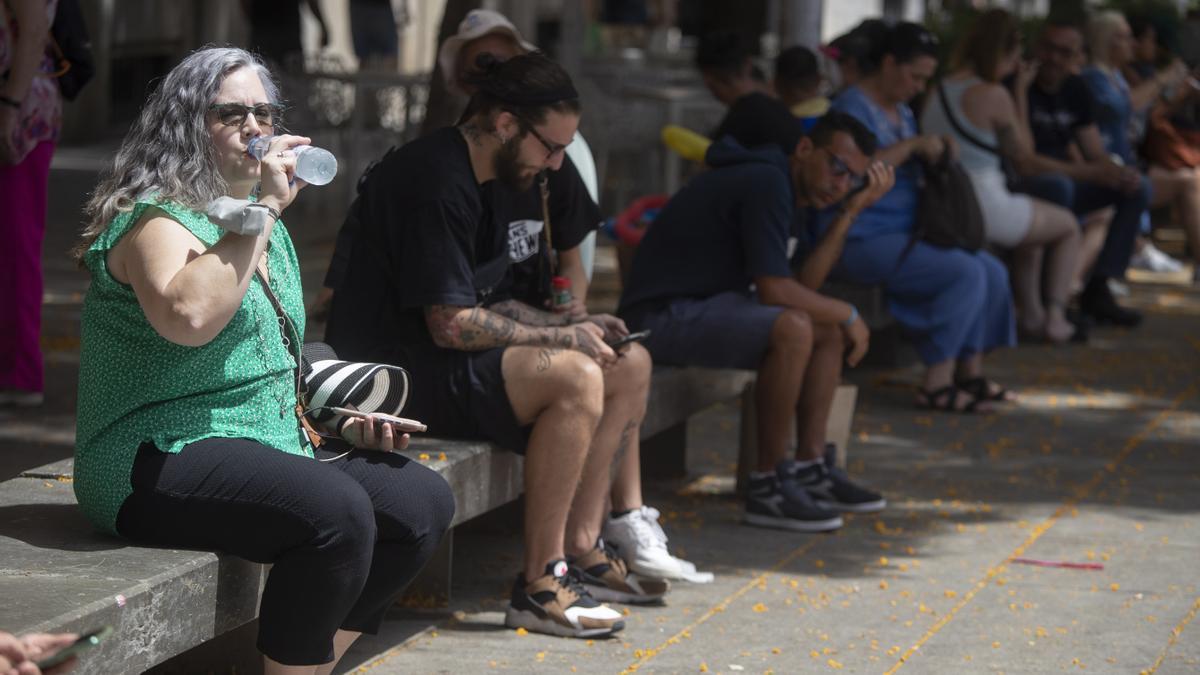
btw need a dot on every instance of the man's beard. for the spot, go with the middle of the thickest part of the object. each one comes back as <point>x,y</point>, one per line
<point>507,165</point>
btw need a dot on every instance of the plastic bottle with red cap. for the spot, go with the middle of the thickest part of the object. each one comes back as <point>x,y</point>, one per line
<point>560,291</point>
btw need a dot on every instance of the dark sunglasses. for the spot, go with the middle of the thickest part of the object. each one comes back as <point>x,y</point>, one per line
<point>235,114</point>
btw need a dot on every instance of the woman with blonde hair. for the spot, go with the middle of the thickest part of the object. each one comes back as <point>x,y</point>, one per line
<point>989,126</point>
<point>1120,107</point>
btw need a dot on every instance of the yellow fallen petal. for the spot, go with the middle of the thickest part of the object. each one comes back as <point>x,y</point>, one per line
<point>522,631</point>
<point>424,456</point>
<point>1115,587</point>
<point>704,667</point>
<point>759,607</point>
<point>834,664</point>
<point>883,584</point>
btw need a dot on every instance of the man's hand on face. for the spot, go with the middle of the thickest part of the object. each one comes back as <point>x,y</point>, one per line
<point>880,179</point>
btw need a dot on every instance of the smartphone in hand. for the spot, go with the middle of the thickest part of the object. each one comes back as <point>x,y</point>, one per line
<point>403,423</point>
<point>632,337</point>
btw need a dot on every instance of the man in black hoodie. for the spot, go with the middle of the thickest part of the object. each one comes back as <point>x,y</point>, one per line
<point>714,280</point>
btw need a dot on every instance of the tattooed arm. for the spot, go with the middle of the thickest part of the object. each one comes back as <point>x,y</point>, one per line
<point>473,329</point>
<point>514,309</point>
<point>529,315</point>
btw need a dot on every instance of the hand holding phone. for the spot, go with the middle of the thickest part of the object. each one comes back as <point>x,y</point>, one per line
<point>403,423</point>
<point>632,337</point>
<point>82,643</point>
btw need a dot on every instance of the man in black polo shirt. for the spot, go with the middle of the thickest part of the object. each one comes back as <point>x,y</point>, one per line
<point>1060,114</point>
<point>754,117</point>
<point>423,289</point>
<point>713,282</point>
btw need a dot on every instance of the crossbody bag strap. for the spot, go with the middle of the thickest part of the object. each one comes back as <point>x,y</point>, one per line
<point>286,326</point>
<point>971,138</point>
<point>547,234</point>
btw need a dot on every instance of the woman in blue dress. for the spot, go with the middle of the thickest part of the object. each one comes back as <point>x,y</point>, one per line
<point>956,304</point>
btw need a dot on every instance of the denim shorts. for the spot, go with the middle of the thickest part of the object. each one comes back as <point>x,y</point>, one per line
<point>727,330</point>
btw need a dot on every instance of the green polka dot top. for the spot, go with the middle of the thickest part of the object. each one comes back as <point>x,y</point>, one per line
<point>135,386</point>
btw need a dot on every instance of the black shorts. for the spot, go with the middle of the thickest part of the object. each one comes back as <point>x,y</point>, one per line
<point>462,395</point>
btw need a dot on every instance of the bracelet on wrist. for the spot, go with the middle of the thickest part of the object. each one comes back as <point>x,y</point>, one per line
<point>259,205</point>
<point>240,216</point>
<point>10,102</point>
<point>853,317</point>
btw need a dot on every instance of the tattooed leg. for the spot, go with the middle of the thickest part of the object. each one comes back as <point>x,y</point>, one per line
<point>626,388</point>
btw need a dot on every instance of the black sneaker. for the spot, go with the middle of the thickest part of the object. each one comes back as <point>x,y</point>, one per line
<point>772,503</point>
<point>831,488</point>
<point>1097,302</point>
<point>556,604</point>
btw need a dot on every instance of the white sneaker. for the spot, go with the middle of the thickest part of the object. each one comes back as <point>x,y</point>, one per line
<point>642,544</point>
<point>1119,289</point>
<point>1153,260</point>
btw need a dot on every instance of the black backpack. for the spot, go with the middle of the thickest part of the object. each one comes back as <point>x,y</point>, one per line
<point>72,49</point>
<point>948,212</point>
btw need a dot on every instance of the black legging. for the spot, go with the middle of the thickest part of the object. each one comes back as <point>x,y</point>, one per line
<point>344,536</point>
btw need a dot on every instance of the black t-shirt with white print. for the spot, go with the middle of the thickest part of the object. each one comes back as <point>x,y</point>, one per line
<point>424,235</point>
<point>573,215</point>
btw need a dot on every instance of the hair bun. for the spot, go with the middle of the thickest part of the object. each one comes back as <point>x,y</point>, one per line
<point>487,62</point>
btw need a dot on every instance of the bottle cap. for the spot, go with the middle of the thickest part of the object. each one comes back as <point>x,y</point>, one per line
<point>560,282</point>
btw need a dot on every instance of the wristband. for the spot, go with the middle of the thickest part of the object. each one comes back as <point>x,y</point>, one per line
<point>853,317</point>
<point>241,216</point>
<point>255,205</point>
<point>10,102</point>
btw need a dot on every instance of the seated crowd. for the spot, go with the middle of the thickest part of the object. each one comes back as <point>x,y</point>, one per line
<point>193,429</point>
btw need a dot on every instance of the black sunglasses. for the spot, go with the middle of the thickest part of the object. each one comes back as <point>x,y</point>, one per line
<point>235,114</point>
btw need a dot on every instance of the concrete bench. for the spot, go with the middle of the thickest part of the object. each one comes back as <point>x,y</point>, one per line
<point>58,574</point>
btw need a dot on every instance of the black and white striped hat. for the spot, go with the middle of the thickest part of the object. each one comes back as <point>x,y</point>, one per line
<point>369,387</point>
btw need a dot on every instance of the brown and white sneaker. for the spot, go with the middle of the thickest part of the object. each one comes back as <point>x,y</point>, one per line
<point>556,604</point>
<point>605,576</point>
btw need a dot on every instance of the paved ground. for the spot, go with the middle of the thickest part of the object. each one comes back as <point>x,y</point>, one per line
<point>1098,463</point>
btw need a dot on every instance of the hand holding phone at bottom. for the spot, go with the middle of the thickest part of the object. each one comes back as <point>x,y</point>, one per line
<point>377,431</point>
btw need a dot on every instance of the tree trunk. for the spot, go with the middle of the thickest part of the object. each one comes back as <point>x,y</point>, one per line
<point>442,108</point>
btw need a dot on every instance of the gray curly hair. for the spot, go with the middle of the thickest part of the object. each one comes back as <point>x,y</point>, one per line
<point>168,150</point>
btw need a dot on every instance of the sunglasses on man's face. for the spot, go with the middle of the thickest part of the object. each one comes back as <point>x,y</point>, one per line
<point>235,114</point>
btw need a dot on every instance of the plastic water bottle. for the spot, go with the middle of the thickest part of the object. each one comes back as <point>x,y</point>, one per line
<point>316,166</point>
